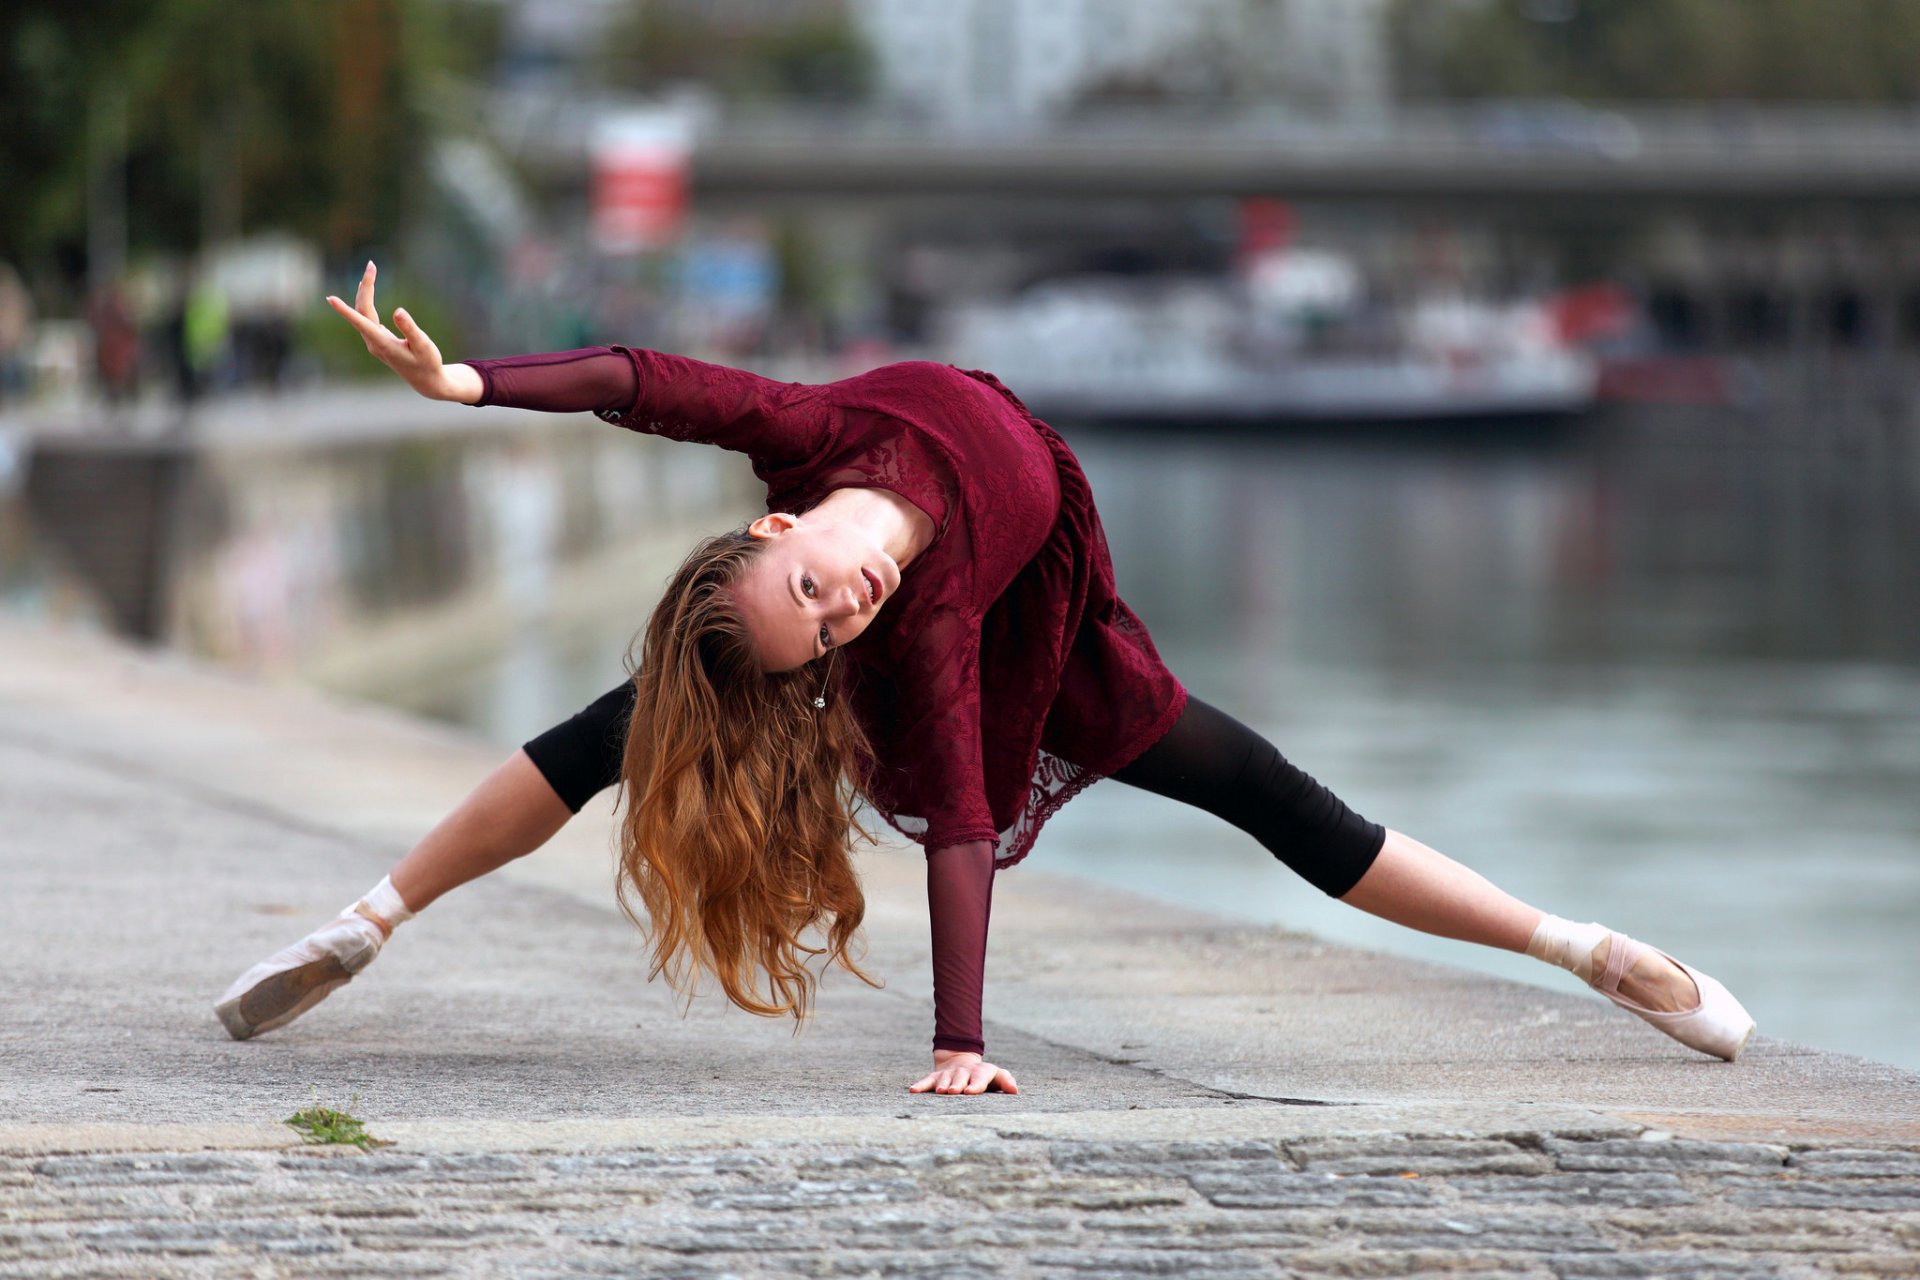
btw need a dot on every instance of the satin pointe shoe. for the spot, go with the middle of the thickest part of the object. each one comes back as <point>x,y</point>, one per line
<point>294,979</point>
<point>1717,1025</point>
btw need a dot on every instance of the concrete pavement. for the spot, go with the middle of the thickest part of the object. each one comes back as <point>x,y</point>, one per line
<point>1191,1087</point>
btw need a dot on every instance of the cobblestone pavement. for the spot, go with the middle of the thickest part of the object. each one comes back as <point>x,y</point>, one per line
<point>1530,1205</point>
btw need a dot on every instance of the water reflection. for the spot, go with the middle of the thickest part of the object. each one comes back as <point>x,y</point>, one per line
<point>1664,672</point>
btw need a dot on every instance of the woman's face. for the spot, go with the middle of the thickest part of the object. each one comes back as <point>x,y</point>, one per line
<point>815,585</point>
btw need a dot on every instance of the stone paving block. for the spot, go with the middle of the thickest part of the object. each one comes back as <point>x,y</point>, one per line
<point>1808,1193</point>
<point>802,1194</point>
<point>1038,1187</point>
<point>1107,1262</point>
<point>725,1235</point>
<point>655,1164</point>
<point>134,1170</point>
<point>1848,1162</point>
<point>381,1165</point>
<point>154,1237</point>
<point>1664,1266</point>
<point>905,1266</point>
<point>358,1267</point>
<point>949,1236</point>
<point>1238,1229</point>
<point>1629,1155</point>
<point>1273,1190</point>
<point>1715,1221</point>
<point>1162,1159</point>
<point>1458,1226</point>
<point>1422,1156</point>
<point>1361,1261</point>
<point>351,1209</point>
<point>1901,1264</point>
<point>429,1233</point>
<point>1623,1190</point>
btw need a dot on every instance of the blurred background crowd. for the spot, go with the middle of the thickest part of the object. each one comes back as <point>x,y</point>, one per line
<point>1511,406</point>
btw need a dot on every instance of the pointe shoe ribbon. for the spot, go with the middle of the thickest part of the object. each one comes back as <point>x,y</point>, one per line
<point>1717,1025</point>
<point>294,979</point>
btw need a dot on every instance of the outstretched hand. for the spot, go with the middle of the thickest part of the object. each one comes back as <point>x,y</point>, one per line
<point>964,1073</point>
<point>410,352</point>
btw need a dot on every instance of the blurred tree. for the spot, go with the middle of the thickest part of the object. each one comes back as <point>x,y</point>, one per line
<point>743,52</point>
<point>1654,50</point>
<point>227,116</point>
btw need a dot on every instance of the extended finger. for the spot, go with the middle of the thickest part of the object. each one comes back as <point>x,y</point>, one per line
<point>923,1083</point>
<point>1004,1081</point>
<point>363,296</point>
<point>375,333</point>
<point>416,337</point>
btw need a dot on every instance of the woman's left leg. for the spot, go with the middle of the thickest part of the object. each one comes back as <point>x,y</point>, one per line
<point>1213,761</point>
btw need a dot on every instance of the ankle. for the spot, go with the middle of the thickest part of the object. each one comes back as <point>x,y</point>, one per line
<point>384,906</point>
<point>1568,944</point>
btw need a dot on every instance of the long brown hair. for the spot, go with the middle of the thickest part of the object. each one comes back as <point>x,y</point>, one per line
<point>739,798</point>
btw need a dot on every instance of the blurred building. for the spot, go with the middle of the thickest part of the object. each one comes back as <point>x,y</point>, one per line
<point>987,62</point>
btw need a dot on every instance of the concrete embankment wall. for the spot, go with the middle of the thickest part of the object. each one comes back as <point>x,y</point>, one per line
<point>318,537</point>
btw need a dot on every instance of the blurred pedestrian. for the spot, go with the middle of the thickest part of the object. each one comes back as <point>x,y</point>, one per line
<point>116,342</point>
<point>16,327</point>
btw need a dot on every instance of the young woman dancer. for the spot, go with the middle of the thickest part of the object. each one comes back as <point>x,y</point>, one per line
<point>922,521</point>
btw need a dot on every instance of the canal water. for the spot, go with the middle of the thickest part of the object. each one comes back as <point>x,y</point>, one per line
<point>1661,669</point>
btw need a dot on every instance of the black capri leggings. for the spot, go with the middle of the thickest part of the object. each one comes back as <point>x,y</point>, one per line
<point>1207,759</point>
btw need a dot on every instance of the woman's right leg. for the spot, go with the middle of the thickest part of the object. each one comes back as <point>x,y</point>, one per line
<point>515,809</point>
<point>521,804</point>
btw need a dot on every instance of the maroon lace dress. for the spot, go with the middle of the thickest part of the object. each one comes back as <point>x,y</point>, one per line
<point>1005,675</point>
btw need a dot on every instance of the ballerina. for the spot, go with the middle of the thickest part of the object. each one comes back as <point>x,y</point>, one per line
<point>926,618</point>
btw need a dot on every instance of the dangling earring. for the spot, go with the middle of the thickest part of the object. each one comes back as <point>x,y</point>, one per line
<point>820,699</point>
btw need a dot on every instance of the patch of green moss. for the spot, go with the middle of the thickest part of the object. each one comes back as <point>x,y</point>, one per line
<point>326,1125</point>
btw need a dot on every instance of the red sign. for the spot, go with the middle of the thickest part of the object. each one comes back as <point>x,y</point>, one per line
<point>640,182</point>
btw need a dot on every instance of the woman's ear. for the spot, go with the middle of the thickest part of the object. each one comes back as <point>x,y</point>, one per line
<point>770,526</point>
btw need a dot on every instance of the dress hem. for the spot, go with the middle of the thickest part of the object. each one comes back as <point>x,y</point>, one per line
<point>1087,777</point>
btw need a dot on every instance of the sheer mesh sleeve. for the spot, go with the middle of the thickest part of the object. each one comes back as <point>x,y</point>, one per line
<point>777,424</point>
<point>587,380</point>
<point>959,899</point>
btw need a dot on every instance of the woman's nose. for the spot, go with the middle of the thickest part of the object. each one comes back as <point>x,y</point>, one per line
<point>846,603</point>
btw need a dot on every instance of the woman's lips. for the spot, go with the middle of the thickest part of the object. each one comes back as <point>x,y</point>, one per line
<point>873,585</point>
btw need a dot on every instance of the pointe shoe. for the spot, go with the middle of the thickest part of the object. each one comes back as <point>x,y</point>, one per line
<point>1717,1025</point>
<point>294,979</point>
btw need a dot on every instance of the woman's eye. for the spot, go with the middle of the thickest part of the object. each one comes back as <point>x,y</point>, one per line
<point>806,586</point>
<point>826,639</point>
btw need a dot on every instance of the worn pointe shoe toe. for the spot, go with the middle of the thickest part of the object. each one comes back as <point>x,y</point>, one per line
<point>294,979</point>
<point>1717,1025</point>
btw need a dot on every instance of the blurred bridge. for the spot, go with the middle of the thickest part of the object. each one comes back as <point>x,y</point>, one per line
<point>1507,152</point>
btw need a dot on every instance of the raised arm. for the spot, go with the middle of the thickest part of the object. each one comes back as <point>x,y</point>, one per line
<point>777,424</point>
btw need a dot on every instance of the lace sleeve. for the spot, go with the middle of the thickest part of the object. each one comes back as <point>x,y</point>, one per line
<point>959,900</point>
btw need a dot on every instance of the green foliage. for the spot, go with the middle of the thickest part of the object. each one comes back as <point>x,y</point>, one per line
<point>1661,50</point>
<point>325,1126</point>
<point>236,116</point>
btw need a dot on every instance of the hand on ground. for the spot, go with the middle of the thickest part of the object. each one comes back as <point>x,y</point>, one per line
<point>409,353</point>
<point>964,1073</point>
